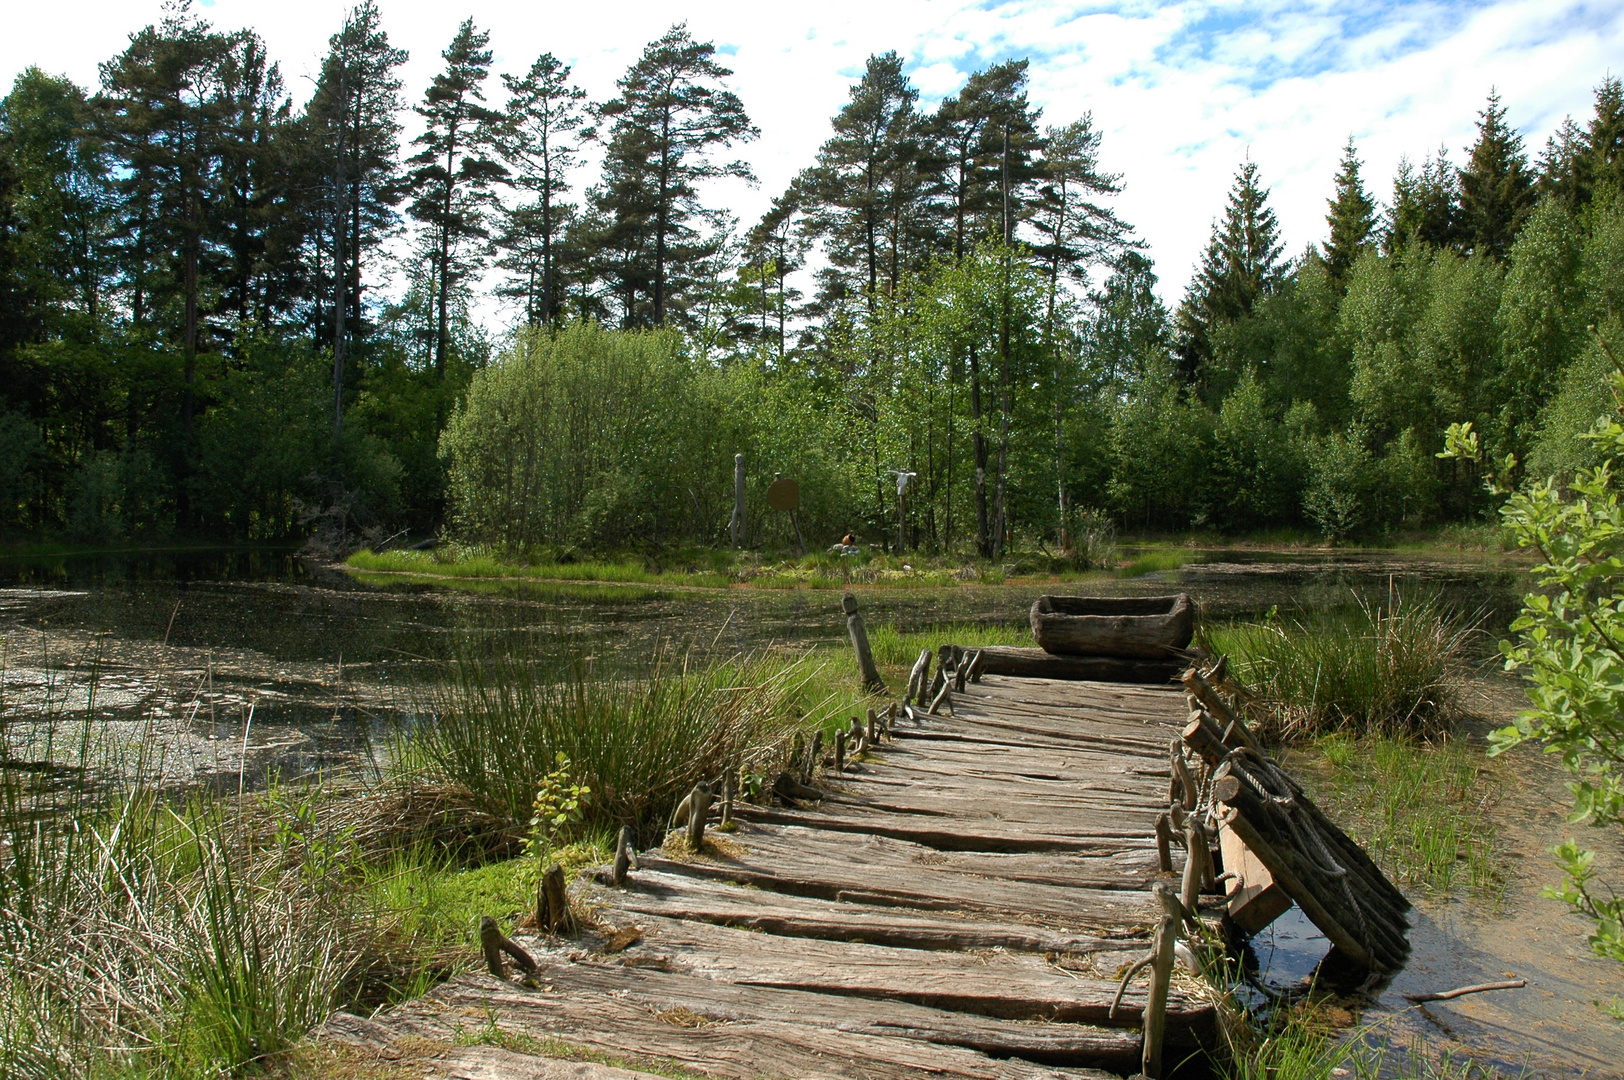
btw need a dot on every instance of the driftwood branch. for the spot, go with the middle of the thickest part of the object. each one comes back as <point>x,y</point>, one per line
<point>1462,991</point>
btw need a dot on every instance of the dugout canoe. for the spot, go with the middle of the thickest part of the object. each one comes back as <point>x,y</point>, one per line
<point>1138,627</point>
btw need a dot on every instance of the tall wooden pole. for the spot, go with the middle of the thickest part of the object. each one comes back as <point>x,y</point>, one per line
<point>738,500</point>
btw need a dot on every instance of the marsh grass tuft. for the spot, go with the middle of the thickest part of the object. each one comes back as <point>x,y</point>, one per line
<point>1393,669</point>
<point>493,725</point>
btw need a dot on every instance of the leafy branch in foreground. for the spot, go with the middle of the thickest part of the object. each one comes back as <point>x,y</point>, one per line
<point>1570,642</point>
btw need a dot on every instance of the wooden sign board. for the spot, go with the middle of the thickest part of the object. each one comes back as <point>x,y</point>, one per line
<point>784,495</point>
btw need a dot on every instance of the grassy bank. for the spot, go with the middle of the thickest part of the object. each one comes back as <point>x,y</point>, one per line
<point>161,933</point>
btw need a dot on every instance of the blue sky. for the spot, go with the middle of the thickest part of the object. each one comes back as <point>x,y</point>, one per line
<point>1182,91</point>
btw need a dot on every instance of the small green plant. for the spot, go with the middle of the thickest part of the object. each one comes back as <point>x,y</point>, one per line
<point>559,809</point>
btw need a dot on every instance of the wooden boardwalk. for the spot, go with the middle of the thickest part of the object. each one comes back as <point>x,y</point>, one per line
<point>959,905</point>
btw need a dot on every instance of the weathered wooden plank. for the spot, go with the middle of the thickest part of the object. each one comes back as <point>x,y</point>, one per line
<point>862,859</point>
<point>925,887</point>
<point>999,984</point>
<point>719,1028</point>
<point>944,837</point>
<point>676,896</point>
<point>1037,664</point>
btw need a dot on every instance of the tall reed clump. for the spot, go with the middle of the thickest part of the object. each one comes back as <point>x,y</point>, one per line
<point>1394,669</point>
<point>493,726</point>
<point>144,936</point>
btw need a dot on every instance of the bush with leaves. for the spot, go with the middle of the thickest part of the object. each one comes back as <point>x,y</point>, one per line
<point>1570,643</point>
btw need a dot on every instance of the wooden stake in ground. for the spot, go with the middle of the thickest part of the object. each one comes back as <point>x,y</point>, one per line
<point>623,856</point>
<point>699,803</point>
<point>1154,1023</point>
<point>494,943</point>
<point>553,902</point>
<point>917,678</point>
<point>840,751</point>
<point>859,641</point>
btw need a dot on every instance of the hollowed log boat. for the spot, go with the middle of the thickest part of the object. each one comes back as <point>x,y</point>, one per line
<point>1139,627</point>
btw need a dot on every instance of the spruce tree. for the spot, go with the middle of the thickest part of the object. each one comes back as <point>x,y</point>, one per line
<point>1240,266</point>
<point>541,140</point>
<point>1426,205</point>
<point>1558,168</point>
<point>1496,188</point>
<point>454,172</point>
<point>671,115</point>
<point>1600,165</point>
<point>1352,218</point>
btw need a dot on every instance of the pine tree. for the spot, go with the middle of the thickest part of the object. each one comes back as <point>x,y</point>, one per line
<point>1240,266</point>
<point>863,172</point>
<point>540,141</point>
<point>1496,189</point>
<point>1352,218</point>
<point>984,156</point>
<point>776,248</point>
<point>453,173</point>
<point>163,110</point>
<point>671,114</point>
<point>1073,229</point>
<point>356,138</point>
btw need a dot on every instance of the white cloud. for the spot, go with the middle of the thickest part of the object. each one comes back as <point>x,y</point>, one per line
<point>1183,91</point>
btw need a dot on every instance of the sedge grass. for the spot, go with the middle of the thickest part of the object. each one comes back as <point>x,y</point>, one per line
<point>1419,809</point>
<point>639,738</point>
<point>1394,669</point>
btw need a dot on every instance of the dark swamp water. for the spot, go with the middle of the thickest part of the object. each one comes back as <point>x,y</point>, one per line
<point>241,664</point>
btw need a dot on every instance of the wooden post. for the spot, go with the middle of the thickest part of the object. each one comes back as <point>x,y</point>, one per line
<point>1196,854</point>
<point>553,905</point>
<point>1154,1022</point>
<point>917,678</point>
<point>1164,842</point>
<point>738,501</point>
<point>840,751</point>
<point>623,856</point>
<point>859,640</point>
<point>873,727</point>
<point>699,802</point>
<point>814,757</point>
<point>727,800</point>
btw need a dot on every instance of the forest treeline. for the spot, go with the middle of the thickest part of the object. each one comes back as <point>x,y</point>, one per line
<point>198,335</point>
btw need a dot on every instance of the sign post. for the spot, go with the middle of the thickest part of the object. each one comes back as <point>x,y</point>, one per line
<point>785,495</point>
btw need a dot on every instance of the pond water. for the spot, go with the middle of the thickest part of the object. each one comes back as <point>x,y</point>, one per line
<point>238,664</point>
<point>252,660</point>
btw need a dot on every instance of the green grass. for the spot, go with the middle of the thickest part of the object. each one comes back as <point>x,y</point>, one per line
<point>1419,809</point>
<point>1157,562</point>
<point>1362,668</point>
<point>1302,1049</point>
<point>475,565</point>
<point>897,649</point>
